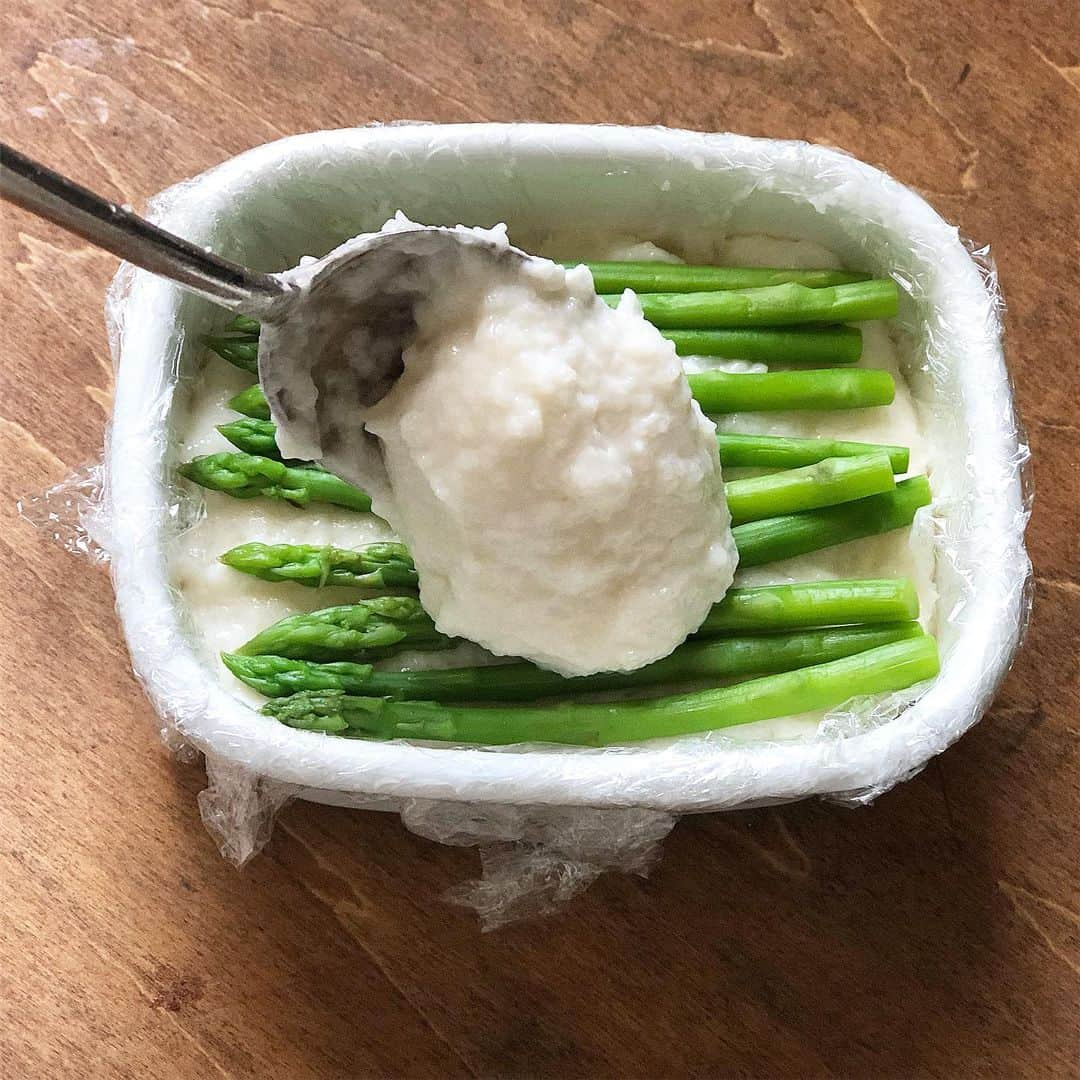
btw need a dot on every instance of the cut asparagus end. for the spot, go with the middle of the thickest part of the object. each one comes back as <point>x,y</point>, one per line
<point>651,276</point>
<point>828,388</point>
<point>826,483</point>
<point>767,608</point>
<point>780,452</point>
<point>775,538</point>
<point>777,305</point>
<point>812,345</point>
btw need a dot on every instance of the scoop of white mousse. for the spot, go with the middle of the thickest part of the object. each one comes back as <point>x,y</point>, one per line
<point>558,487</point>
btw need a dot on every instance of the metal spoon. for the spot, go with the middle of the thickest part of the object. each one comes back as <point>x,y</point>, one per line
<point>333,330</point>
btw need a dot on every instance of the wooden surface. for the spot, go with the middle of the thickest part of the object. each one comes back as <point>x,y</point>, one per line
<point>935,934</point>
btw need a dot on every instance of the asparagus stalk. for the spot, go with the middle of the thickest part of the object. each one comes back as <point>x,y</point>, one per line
<point>768,608</point>
<point>808,344</point>
<point>701,326</point>
<point>822,686</point>
<point>244,476</point>
<point>829,388</point>
<point>277,676</point>
<point>802,345</point>
<point>758,542</point>
<point>779,452</point>
<point>238,343</point>
<point>715,392</point>
<point>758,609</point>
<point>784,537</point>
<point>755,610</point>
<point>251,402</point>
<point>256,436</point>
<point>777,305</point>
<point>661,277</point>
<point>832,481</point>
<point>376,566</point>
<point>366,630</point>
<point>773,514</point>
<point>275,654</point>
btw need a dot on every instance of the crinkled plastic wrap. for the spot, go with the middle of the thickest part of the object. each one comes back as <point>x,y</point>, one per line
<point>548,821</point>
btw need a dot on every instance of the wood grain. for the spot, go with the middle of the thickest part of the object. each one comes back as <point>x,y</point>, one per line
<point>934,934</point>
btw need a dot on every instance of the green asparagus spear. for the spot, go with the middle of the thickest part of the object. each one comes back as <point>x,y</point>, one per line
<point>777,305</point>
<point>252,436</point>
<point>721,331</point>
<point>251,402</point>
<point>762,451</point>
<point>245,476</point>
<point>723,658</point>
<point>784,537</point>
<point>829,388</point>
<point>768,608</point>
<point>376,566</point>
<point>366,630</point>
<point>715,391</point>
<point>822,686</point>
<point>238,343</point>
<point>779,452</point>
<point>814,345</point>
<point>759,609</point>
<point>758,542</point>
<point>239,352</point>
<point>832,481</point>
<point>802,345</point>
<point>244,324</point>
<point>278,676</point>
<point>654,277</point>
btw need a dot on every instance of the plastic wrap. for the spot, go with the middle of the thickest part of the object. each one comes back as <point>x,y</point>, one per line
<point>548,821</point>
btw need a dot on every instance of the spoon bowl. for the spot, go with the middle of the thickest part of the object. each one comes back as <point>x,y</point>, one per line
<point>334,329</point>
<point>333,346</point>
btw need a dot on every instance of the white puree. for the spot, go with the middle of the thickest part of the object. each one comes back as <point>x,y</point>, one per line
<point>226,608</point>
<point>559,506</point>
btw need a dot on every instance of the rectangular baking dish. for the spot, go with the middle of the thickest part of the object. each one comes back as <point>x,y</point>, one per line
<point>304,194</point>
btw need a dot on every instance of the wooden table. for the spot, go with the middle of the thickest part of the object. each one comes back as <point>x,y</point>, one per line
<point>936,933</point>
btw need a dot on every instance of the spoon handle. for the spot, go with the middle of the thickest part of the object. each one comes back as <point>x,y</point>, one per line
<point>46,193</point>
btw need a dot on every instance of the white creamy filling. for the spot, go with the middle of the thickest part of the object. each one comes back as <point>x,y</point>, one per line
<point>556,484</point>
<point>225,607</point>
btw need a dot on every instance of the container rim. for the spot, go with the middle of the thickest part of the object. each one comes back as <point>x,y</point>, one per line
<point>698,777</point>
